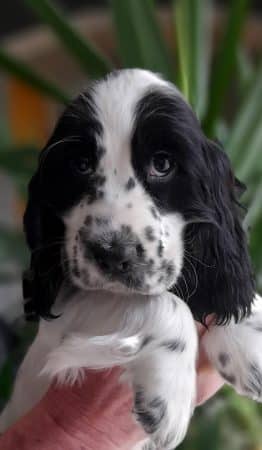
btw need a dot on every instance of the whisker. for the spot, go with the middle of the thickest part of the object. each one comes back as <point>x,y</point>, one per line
<point>195,275</point>
<point>199,261</point>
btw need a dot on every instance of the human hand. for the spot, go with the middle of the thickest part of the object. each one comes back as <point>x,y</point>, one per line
<point>208,379</point>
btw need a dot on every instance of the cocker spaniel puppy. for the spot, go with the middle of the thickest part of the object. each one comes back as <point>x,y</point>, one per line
<point>134,227</point>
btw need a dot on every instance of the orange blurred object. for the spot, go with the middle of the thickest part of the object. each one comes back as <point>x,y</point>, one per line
<point>28,113</point>
<point>29,120</point>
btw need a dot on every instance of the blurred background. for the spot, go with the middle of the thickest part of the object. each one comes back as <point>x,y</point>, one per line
<point>48,51</point>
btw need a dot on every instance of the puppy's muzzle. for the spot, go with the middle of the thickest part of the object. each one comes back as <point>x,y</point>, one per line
<point>115,257</point>
<point>115,253</point>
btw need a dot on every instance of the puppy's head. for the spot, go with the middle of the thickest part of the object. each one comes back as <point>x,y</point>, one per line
<point>129,196</point>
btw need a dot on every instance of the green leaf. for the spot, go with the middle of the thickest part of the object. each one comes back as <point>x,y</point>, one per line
<point>255,209</point>
<point>193,45</point>
<point>139,38</point>
<point>12,246</point>
<point>255,246</point>
<point>245,70</point>
<point>247,119</point>
<point>250,155</point>
<point>23,72</point>
<point>225,63</point>
<point>85,53</point>
<point>6,377</point>
<point>18,161</point>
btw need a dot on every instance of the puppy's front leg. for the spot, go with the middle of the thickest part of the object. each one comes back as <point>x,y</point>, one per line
<point>236,352</point>
<point>79,351</point>
<point>164,380</point>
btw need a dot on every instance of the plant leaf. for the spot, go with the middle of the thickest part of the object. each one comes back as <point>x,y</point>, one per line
<point>193,46</point>
<point>18,161</point>
<point>84,52</point>
<point>22,71</point>
<point>248,162</point>
<point>225,63</point>
<point>245,70</point>
<point>139,38</point>
<point>255,208</point>
<point>12,246</point>
<point>247,118</point>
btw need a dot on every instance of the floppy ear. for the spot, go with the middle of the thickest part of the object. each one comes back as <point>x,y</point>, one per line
<point>217,266</point>
<point>44,233</point>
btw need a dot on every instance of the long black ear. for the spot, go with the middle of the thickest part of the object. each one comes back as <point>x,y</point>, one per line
<point>44,233</point>
<point>217,276</point>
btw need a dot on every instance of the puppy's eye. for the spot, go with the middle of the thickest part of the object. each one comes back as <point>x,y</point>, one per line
<point>161,164</point>
<point>81,166</point>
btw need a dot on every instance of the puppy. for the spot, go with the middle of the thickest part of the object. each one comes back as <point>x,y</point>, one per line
<point>135,229</point>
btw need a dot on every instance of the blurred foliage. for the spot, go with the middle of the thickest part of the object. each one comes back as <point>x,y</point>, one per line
<point>207,81</point>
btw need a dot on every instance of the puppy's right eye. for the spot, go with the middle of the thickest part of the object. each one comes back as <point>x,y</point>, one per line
<point>81,166</point>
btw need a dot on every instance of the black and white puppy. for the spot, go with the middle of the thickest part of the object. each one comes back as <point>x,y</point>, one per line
<point>134,227</point>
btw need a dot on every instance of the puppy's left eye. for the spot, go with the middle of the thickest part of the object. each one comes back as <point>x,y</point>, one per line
<point>161,164</point>
<point>81,166</point>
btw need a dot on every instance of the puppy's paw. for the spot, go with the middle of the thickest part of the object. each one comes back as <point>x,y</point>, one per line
<point>162,419</point>
<point>236,352</point>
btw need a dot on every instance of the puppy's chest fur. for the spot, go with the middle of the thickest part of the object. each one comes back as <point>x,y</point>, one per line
<point>100,313</point>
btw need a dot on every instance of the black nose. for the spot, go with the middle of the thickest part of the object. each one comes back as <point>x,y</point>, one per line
<point>113,257</point>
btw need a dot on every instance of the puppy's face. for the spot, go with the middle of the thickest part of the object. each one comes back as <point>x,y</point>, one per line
<point>111,176</point>
<point>124,176</point>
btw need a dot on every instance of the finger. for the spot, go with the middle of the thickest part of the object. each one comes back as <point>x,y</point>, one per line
<point>208,379</point>
<point>208,383</point>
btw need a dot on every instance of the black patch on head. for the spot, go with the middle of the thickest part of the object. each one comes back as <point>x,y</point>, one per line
<point>149,414</point>
<point>230,378</point>
<point>54,189</point>
<point>130,184</point>
<point>74,138</point>
<point>149,233</point>
<point>224,359</point>
<point>175,345</point>
<point>202,189</point>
